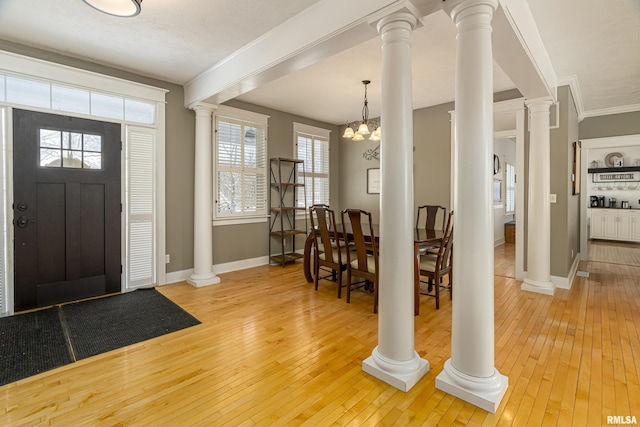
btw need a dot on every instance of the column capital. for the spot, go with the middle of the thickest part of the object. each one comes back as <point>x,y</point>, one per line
<point>539,104</point>
<point>203,106</point>
<point>400,12</point>
<point>458,9</point>
<point>400,19</point>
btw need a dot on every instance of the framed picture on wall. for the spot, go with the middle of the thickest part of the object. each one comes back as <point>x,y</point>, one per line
<point>373,181</point>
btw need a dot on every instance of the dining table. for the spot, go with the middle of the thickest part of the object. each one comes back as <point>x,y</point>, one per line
<point>421,238</point>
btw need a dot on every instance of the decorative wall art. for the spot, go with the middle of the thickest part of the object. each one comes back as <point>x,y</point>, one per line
<point>372,153</point>
<point>373,181</point>
<point>612,159</point>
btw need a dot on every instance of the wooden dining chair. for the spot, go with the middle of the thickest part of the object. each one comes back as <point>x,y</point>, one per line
<point>363,262</point>
<point>329,251</point>
<point>431,215</point>
<point>436,267</point>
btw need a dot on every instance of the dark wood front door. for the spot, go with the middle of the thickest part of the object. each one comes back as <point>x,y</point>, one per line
<point>66,176</point>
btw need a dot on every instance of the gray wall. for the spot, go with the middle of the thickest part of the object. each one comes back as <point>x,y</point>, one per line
<point>565,213</point>
<point>348,167</point>
<point>230,243</point>
<point>179,145</point>
<point>431,163</point>
<point>247,241</point>
<point>610,125</point>
<point>431,160</point>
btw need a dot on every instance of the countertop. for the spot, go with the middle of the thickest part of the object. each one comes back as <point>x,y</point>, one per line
<point>619,209</point>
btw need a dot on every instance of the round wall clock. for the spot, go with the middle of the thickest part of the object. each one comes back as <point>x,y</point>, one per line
<point>496,164</point>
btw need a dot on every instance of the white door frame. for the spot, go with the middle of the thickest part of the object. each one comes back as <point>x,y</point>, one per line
<point>611,142</point>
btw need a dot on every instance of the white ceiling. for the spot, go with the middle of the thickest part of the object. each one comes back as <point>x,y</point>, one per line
<point>595,43</point>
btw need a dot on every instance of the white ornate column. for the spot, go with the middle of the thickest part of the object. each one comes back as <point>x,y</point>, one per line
<point>395,360</point>
<point>538,278</point>
<point>470,373</point>
<point>203,274</point>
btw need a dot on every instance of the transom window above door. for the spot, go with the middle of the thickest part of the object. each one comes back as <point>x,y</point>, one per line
<point>71,150</point>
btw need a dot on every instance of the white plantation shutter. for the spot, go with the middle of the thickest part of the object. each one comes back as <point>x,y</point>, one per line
<point>241,168</point>
<point>312,146</point>
<point>4,227</point>
<point>140,164</point>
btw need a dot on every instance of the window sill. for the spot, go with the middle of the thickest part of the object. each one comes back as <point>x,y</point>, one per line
<point>238,221</point>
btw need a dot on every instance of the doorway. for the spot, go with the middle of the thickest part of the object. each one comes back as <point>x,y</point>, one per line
<point>67,208</point>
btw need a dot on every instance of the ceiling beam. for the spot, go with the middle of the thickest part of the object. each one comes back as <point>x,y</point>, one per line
<point>519,51</point>
<point>322,30</point>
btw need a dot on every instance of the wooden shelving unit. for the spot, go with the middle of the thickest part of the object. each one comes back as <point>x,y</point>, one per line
<point>283,224</point>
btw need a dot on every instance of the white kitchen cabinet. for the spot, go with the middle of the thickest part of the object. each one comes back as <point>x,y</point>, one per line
<point>635,227</point>
<point>624,226</point>
<point>615,224</point>
<point>597,224</point>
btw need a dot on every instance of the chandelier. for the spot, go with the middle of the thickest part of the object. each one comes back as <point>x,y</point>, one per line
<point>363,126</point>
<point>122,8</point>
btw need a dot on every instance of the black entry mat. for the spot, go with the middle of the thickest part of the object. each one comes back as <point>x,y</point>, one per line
<point>104,324</point>
<point>36,342</point>
<point>31,343</point>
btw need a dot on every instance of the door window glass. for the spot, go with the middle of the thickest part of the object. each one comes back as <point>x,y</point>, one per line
<point>73,150</point>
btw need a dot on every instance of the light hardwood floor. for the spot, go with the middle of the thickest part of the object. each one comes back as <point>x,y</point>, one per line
<point>272,351</point>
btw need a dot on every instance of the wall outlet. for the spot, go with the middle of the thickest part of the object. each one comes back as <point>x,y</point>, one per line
<point>552,198</point>
<point>167,259</point>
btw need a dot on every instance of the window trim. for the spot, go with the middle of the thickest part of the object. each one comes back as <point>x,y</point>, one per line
<point>248,118</point>
<point>301,128</point>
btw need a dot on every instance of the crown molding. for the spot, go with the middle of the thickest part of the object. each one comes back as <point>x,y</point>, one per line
<point>572,82</point>
<point>612,110</point>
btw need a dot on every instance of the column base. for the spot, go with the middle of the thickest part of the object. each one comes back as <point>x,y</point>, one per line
<point>485,393</point>
<point>202,280</point>
<point>546,288</point>
<point>401,374</point>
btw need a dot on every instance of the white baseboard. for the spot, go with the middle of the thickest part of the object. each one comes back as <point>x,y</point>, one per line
<point>566,282</point>
<point>180,276</point>
<point>498,242</point>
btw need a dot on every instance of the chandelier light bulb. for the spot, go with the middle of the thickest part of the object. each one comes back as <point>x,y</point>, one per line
<point>364,129</point>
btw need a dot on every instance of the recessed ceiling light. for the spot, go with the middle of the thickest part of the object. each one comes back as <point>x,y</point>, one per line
<point>122,8</point>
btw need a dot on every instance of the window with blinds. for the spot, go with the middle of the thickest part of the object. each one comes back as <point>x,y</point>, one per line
<point>510,172</point>
<point>312,146</point>
<point>241,169</point>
